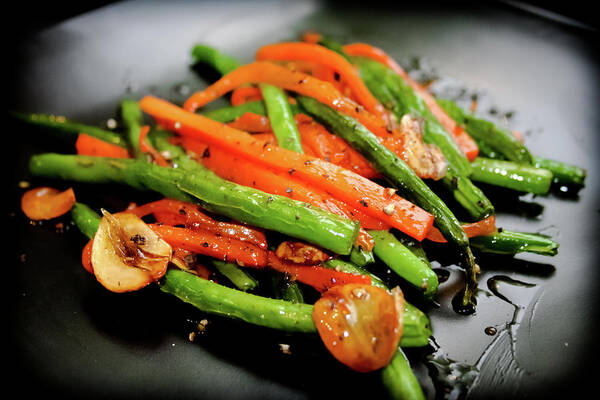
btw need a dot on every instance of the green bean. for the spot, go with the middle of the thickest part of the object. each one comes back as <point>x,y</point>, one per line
<point>498,143</point>
<point>220,62</point>
<point>344,266</point>
<point>520,177</point>
<point>221,300</point>
<point>231,113</point>
<point>404,263</point>
<point>86,219</point>
<point>496,138</point>
<point>132,118</point>
<point>403,178</point>
<point>361,257</point>
<point>72,128</point>
<point>508,242</point>
<point>413,245</point>
<point>242,280</point>
<point>272,313</point>
<point>281,118</point>
<point>399,380</point>
<point>285,289</point>
<point>562,173</point>
<point>469,196</point>
<point>214,194</point>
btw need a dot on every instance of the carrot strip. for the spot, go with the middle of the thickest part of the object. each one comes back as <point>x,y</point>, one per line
<point>318,277</point>
<point>145,147</point>
<point>251,122</point>
<point>332,148</point>
<point>250,174</point>
<point>175,212</point>
<point>329,58</point>
<point>245,94</point>
<point>210,244</point>
<point>460,136</point>
<point>266,72</point>
<point>484,227</point>
<point>87,145</point>
<point>345,185</point>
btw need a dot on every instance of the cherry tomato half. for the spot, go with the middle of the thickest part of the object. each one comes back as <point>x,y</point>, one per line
<point>360,324</point>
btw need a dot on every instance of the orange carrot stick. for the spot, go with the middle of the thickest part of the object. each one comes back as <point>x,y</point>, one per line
<point>251,122</point>
<point>87,145</point>
<point>318,277</point>
<point>461,137</point>
<point>210,244</point>
<point>345,185</point>
<point>484,227</point>
<point>332,148</point>
<point>145,147</point>
<point>175,212</point>
<point>245,94</point>
<point>329,58</point>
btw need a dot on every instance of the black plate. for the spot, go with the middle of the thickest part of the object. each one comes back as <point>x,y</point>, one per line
<point>70,336</point>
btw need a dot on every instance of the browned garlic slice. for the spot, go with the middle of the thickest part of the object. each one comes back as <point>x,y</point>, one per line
<point>127,254</point>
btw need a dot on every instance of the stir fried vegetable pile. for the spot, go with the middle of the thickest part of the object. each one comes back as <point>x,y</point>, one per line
<point>320,168</point>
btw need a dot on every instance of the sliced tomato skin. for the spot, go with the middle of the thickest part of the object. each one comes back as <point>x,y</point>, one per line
<point>360,325</point>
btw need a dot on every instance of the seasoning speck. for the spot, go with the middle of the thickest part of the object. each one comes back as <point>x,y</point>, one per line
<point>111,123</point>
<point>490,330</point>
<point>389,209</point>
<point>285,348</point>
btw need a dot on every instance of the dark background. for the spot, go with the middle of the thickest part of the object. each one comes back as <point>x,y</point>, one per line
<point>32,17</point>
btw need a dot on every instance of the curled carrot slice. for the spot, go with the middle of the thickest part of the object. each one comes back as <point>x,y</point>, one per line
<point>45,203</point>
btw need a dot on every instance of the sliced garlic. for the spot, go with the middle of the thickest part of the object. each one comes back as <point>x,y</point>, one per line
<point>127,254</point>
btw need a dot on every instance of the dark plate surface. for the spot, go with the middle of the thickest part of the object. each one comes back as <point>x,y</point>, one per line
<point>70,336</point>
